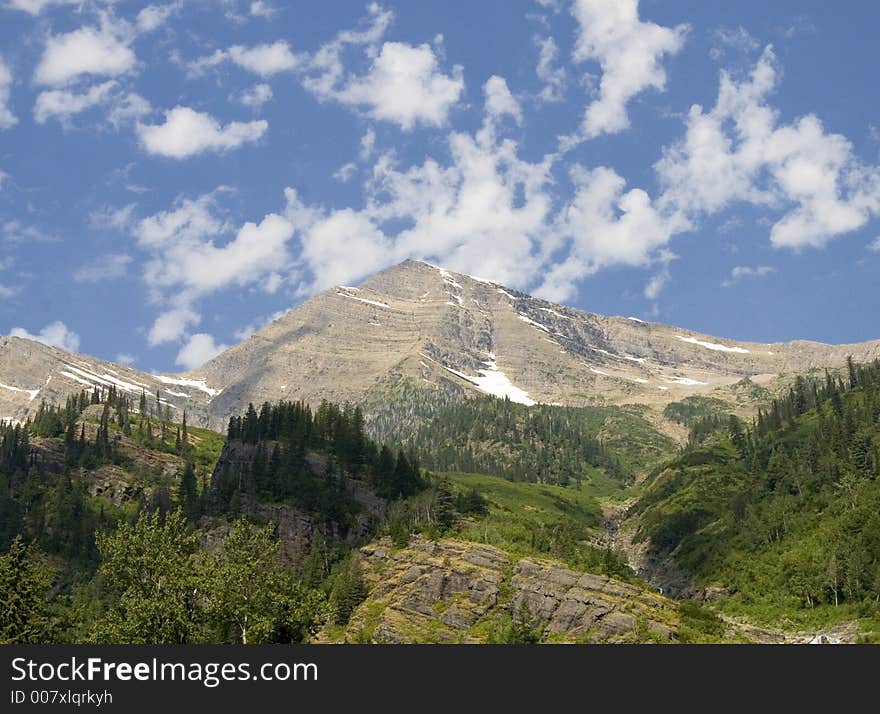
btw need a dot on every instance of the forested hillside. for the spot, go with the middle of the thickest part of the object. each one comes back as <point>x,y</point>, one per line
<point>111,514</point>
<point>783,515</point>
<point>542,443</point>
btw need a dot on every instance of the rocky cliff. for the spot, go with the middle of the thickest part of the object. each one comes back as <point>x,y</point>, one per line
<point>457,591</point>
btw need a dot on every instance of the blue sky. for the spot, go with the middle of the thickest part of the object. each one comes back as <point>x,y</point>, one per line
<point>174,174</point>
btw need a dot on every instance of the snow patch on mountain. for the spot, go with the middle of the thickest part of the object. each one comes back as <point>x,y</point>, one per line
<point>375,303</point>
<point>199,384</point>
<point>712,345</point>
<point>32,393</point>
<point>687,381</point>
<point>532,322</point>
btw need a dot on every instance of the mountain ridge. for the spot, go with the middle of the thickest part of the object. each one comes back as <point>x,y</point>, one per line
<point>441,330</point>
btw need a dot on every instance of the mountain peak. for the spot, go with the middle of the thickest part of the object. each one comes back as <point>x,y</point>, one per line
<point>418,326</point>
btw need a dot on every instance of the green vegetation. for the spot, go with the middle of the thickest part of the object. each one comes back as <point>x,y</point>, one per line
<point>786,514</point>
<point>162,589</point>
<point>521,518</point>
<point>542,443</point>
<point>690,409</point>
<point>271,461</point>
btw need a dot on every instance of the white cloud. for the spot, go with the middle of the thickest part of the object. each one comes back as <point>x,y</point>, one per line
<point>403,85</point>
<point>127,108</point>
<point>261,9</point>
<point>657,282</point>
<point>103,268</point>
<point>739,151</point>
<point>499,101</point>
<point>7,118</point>
<point>126,359</point>
<point>484,213</point>
<point>189,221</point>
<point>256,96</point>
<point>17,232</point>
<point>740,272</point>
<point>152,17</point>
<point>35,7</point>
<point>345,172</point>
<point>103,51</point>
<point>199,267</point>
<point>187,132</point>
<point>4,177</point>
<point>551,74</point>
<point>62,104</point>
<point>55,334</point>
<point>738,39</point>
<point>629,52</point>
<point>368,143</point>
<point>875,245</point>
<point>171,325</point>
<point>199,349</point>
<point>264,60</point>
<point>188,260</point>
<point>604,226</point>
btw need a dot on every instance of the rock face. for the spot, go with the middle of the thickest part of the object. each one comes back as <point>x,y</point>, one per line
<point>456,591</point>
<point>439,330</point>
<point>296,528</point>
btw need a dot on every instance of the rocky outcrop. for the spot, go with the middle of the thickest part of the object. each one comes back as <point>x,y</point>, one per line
<point>456,591</point>
<point>295,527</point>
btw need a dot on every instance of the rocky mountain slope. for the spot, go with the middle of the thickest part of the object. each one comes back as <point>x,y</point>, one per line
<point>31,372</point>
<point>420,324</point>
<point>458,591</point>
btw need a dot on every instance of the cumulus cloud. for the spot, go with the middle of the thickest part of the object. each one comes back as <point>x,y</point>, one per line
<point>499,101</point>
<point>738,39</point>
<point>739,151</point>
<point>256,96</point>
<point>198,349</point>
<point>126,359</point>
<point>171,325</point>
<point>549,71</point>
<point>261,9</point>
<point>35,7</point>
<point>483,213</point>
<point>488,212</point>
<point>152,17</point>
<point>605,225</point>
<point>628,50</point>
<point>264,60</point>
<point>368,143</point>
<point>7,118</point>
<point>404,84</point>
<point>345,172</point>
<point>55,334</point>
<point>127,108</point>
<point>875,245</point>
<point>192,256</point>
<point>102,268</point>
<point>62,104</point>
<point>99,51</point>
<point>187,132</point>
<point>740,272</point>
